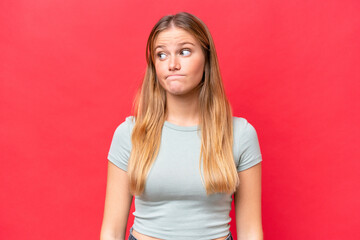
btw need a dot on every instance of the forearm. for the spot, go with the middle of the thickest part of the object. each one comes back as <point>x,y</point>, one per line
<point>248,228</point>
<point>248,205</point>
<point>104,236</point>
<point>250,235</point>
<point>248,222</point>
<point>109,232</point>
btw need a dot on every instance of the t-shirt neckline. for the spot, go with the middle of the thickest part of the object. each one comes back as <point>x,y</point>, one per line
<point>181,128</point>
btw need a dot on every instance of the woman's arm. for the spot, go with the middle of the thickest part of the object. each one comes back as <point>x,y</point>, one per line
<point>248,204</point>
<point>117,204</point>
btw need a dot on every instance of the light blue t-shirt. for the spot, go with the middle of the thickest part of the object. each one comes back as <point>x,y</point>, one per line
<point>174,204</point>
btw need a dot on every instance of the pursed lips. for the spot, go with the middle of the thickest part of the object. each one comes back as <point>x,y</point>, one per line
<point>175,76</point>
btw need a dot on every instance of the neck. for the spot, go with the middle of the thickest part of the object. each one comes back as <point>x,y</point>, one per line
<point>183,109</point>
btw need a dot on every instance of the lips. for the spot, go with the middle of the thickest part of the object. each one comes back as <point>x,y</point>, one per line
<point>173,76</point>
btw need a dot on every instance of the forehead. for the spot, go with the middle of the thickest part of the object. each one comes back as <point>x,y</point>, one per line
<point>174,36</point>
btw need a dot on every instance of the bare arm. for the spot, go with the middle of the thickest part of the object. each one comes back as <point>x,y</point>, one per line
<point>248,204</point>
<point>118,201</point>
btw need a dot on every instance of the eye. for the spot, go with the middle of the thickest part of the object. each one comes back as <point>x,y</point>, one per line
<point>159,55</point>
<point>186,50</point>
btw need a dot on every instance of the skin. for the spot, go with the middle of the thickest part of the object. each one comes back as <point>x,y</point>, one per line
<point>182,107</point>
<point>247,200</point>
<point>173,57</point>
<point>188,60</point>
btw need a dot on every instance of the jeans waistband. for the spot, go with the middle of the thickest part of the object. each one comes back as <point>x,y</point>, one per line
<point>131,237</point>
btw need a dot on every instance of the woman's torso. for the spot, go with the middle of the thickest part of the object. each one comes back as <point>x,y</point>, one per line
<point>140,236</point>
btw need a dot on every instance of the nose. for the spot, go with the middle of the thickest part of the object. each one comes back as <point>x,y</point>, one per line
<point>174,63</point>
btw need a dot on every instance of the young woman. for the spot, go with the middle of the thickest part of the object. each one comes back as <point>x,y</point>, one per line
<point>182,154</point>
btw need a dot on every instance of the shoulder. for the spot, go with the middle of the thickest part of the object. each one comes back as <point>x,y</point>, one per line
<point>126,125</point>
<point>239,121</point>
<point>242,127</point>
<point>247,151</point>
<point>244,134</point>
<point>130,121</point>
<point>122,134</point>
<point>120,147</point>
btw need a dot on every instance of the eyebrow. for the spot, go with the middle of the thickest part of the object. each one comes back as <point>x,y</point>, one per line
<point>182,43</point>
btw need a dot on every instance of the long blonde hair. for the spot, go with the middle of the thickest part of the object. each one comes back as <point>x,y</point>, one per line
<point>215,122</point>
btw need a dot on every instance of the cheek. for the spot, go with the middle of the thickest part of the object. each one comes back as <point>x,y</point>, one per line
<point>197,66</point>
<point>160,70</point>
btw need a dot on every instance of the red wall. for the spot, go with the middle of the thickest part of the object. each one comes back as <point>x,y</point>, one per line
<point>69,70</point>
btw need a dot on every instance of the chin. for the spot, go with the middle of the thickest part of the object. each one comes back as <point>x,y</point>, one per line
<point>176,93</point>
<point>179,92</point>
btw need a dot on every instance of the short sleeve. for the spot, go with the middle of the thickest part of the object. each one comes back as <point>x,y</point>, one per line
<point>120,147</point>
<point>250,153</point>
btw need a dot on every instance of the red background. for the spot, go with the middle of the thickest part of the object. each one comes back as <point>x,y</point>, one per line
<point>69,71</point>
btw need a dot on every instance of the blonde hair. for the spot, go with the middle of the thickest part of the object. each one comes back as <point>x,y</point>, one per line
<point>215,122</point>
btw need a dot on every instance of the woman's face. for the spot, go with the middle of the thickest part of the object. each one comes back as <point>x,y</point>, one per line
<point>179,61</point>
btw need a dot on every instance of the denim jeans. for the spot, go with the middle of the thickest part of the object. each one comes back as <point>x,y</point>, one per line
<point>131,237</point>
